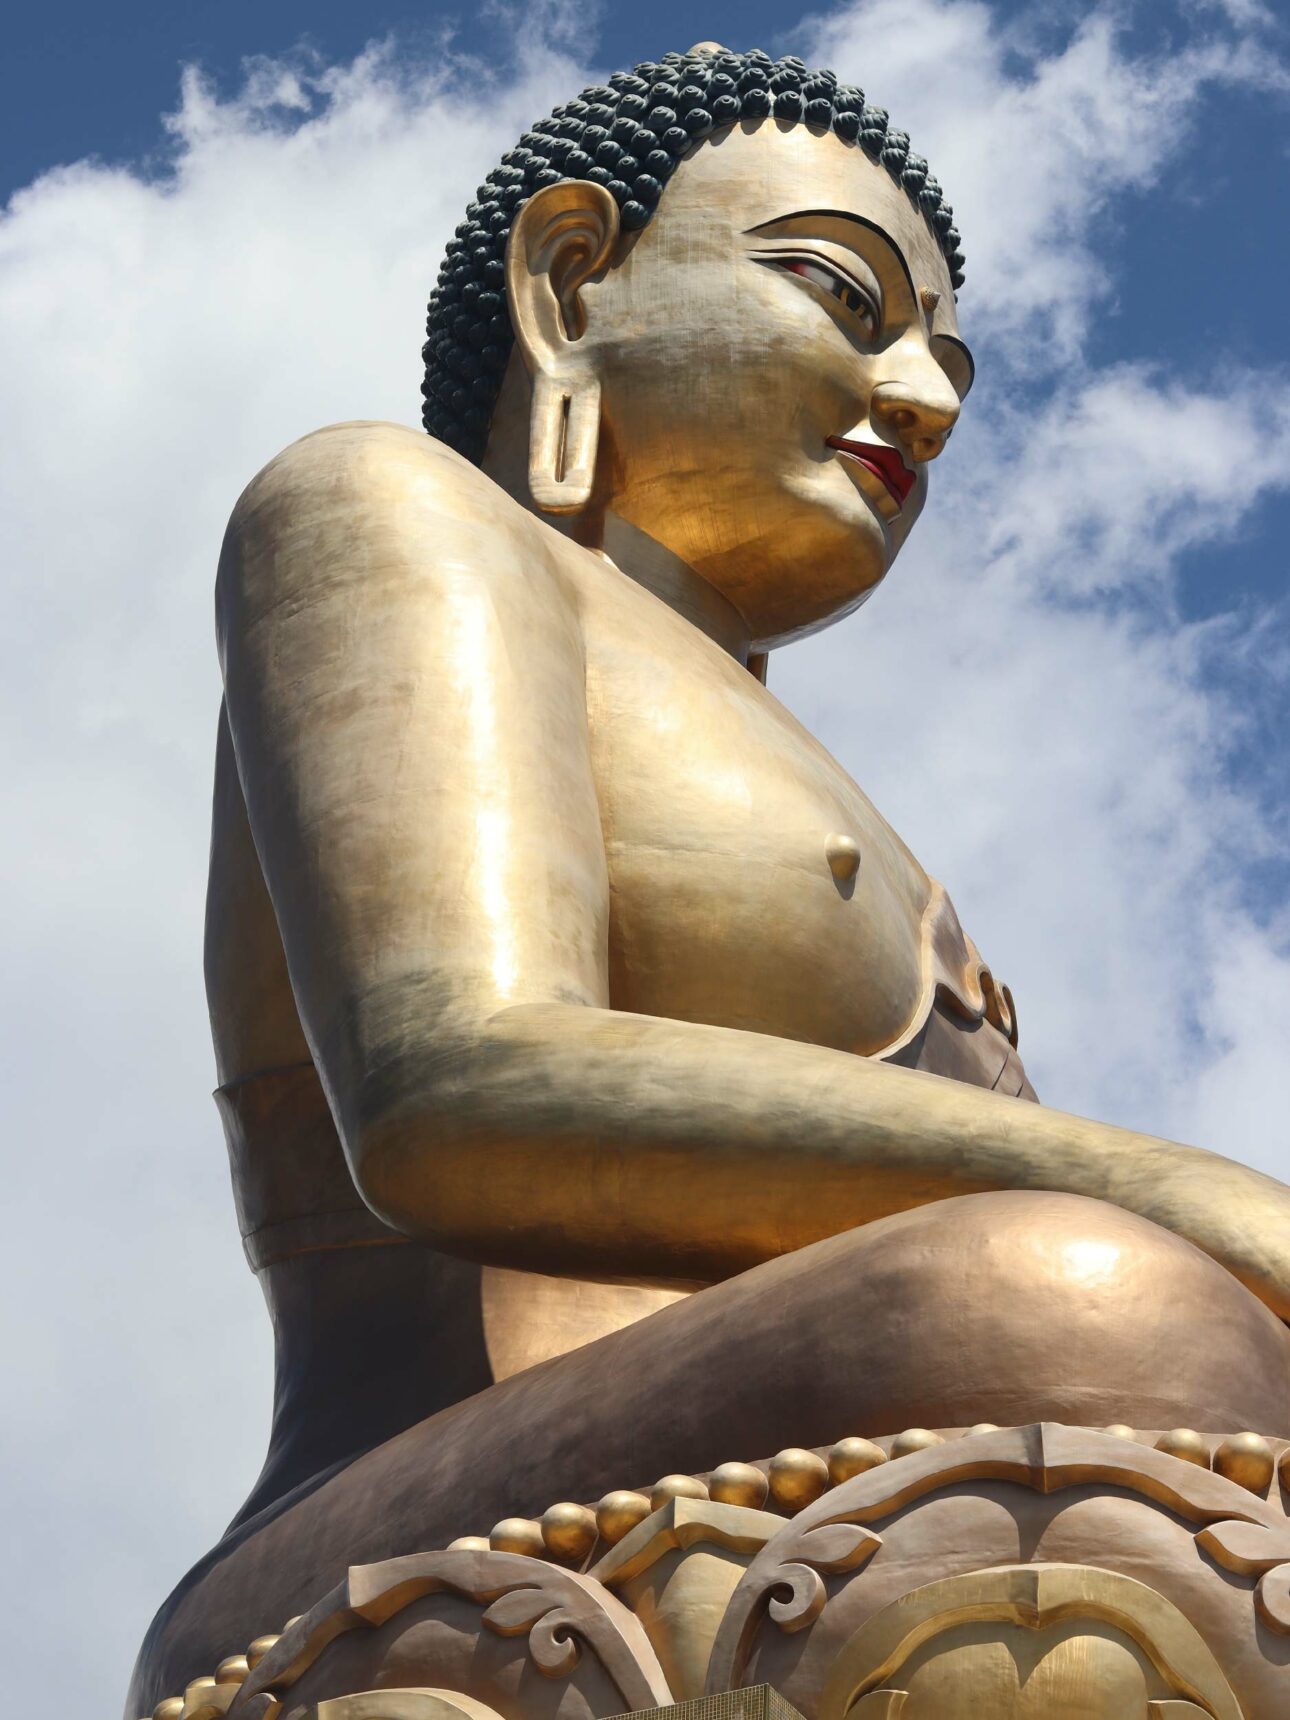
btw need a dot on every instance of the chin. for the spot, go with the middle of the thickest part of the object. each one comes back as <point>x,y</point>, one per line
<point>814,558</point>
<point>838,549</point>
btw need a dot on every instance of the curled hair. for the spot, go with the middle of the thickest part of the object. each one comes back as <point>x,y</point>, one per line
<point>629,135</point>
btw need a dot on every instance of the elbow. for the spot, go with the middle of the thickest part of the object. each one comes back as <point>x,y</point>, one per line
<point>482,1147</point>
<point>459,1162</point>
<point>420,1172</point>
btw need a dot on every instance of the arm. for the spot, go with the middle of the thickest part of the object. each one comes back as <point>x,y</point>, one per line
<point>404,678</point>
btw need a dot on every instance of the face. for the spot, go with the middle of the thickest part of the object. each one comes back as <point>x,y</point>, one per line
<point>780,361</point>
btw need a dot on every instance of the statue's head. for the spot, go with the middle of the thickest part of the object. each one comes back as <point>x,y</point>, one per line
<point>718,293</point>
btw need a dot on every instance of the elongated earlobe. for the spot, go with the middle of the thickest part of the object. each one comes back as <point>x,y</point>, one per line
<point>564,439</point>
<point>561,239</point>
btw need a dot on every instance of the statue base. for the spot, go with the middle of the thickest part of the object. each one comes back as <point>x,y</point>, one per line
<point>464,1562</point>
<point>1016,1572</point>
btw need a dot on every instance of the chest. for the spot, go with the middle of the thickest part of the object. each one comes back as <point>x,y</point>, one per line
<point>752,884</point>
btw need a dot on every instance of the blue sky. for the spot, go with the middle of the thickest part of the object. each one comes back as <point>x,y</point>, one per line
<point>1071,696</point>
<point>83,79</point>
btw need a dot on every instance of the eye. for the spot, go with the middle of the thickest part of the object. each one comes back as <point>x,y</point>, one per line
<point>955,360</point>
<point>855,299</point>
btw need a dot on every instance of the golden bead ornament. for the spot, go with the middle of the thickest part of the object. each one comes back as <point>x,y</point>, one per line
<point>259,1648</point>
<point>169,1709</point>
<point>1247,1459</point>
<point>675,1487</point>
<point>853,1456</point>
<point>738,1484</point>
<point>1118,1430</point>
<point>914,1439</point>
<point>797,1477</point>
<point>517,1535</point>
<point>1185,1443</point>
<point>569,1531</point>
<point>619,1512</point>
<point>469,1544</point>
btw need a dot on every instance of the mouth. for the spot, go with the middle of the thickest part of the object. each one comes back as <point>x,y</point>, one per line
<point>884,462</point>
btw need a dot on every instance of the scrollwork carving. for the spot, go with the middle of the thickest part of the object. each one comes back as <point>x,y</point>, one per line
<point>784,1583</point>
<point>1272,1598</point>
<point>1261,1550</point>
<point>798,1597</point>
<point>552,1628</point>
<point>563,1612</point>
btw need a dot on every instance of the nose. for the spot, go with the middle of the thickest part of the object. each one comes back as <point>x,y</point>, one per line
<point>918,409</point>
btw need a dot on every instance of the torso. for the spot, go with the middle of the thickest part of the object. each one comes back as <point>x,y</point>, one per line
<point>718,809</point>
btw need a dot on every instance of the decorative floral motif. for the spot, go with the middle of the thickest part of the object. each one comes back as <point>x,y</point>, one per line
<point>798,1596</point>
<point>567,1614</point>
<point>1256,1549</point>
<point>783,1584</point>
<point>563,1612</point>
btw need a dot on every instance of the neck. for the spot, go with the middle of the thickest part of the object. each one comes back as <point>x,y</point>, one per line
<point>651,564</point>
<point>633,552</point>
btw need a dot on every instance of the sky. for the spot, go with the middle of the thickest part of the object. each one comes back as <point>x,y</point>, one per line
<point>1070,697</point>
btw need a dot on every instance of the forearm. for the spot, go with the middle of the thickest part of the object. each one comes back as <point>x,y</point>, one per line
<point>589,1141</point>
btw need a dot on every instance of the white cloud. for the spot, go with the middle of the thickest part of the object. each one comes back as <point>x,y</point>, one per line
<point>1021,700</point>
<point>160,338</point>
<point>1072,741</point>
<point>1245,14</point>
<point>1075,739</point>
<point>1033,146</point>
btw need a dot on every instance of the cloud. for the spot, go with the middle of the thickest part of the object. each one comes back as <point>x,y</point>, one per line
<point>1033,143</point>
<point>1022,701</point>
<point>1027,661</point>
<point>162,333</point>
<point>1250,15</point>
<point>1085,781</point>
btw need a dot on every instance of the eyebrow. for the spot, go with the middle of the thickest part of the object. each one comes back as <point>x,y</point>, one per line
<point>844,215</point>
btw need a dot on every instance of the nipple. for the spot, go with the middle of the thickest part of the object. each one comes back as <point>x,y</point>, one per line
<point>843,856</point>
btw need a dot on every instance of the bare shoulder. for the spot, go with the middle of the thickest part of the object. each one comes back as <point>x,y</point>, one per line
<point>372,465</point>
<point>353,500</point>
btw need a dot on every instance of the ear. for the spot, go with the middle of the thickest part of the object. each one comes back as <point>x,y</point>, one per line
<point>560,240</point>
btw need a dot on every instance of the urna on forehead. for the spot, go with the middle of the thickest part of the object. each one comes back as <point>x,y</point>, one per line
<point>630,135</point>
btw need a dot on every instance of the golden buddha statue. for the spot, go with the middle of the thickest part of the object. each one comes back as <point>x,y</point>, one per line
<point>611,1095</point>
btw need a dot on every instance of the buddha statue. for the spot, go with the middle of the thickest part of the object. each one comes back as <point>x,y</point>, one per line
<point>609,1092</point>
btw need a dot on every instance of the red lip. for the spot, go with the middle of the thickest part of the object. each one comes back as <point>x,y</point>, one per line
<point>882,461</point>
